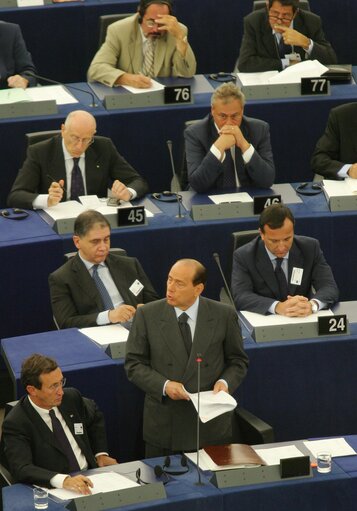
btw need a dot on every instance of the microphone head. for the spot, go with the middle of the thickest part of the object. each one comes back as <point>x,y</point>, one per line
<point>158,471</point>
<point>215,256</point>
<point>169,143</point>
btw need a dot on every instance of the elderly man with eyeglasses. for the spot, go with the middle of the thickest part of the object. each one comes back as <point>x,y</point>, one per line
<point>74,163</point>
<point>227,149</point>
<point>52,432</point>
<point>281,35</point>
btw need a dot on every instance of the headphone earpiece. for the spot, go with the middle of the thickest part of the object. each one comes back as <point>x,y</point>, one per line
<point>16,214</point>
<point>161,470</point>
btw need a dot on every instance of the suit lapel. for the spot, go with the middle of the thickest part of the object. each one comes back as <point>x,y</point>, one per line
<point>295,260</point>
<point>265,269</point>
<point>159,54</point>
<point>204,331</point>
<point>85,282</point>
<point>120,278</point>
<point>171,335</point>
<point>93,173</point>
<point>135,50</point>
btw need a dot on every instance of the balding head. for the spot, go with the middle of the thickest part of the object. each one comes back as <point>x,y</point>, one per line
<point>185,283</point>
<point>78,131</point>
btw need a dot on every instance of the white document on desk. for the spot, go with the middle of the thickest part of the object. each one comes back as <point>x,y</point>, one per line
<point>212,405</point>
<point>57,92</point>
<point>16,95</point>
<point>258,320</point>
<point>335,446</point>
<point>102,483</point>
<point>291,74</point>
<point>273,455</point>
<point>345,187</point>
<point>63,210</point>
<point>154,87</point>
<point>106,334</point>
<point>231,197</point>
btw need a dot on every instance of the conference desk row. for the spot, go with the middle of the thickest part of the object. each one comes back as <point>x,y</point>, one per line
<point>30,250</point>
<point>63,38</point>
<point>140,134</point>
<point>327,492</point>
<point>303,388</point>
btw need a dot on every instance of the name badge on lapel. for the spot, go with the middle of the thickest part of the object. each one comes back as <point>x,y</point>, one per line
<point>296,276</point>
<point>78,428</point>
<point>136,287</point>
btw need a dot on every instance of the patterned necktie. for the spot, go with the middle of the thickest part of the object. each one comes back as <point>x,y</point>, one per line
<point>63,442</point>
<point>148,64</point>
<point>185,332</point>
<point>77,186</point>
<point>107,301</point>
<point>280,277</point>
<point>229,180</point>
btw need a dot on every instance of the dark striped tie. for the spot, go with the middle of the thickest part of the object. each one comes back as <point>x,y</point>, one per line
<point>63,442</point>
<point>107,301</point>
<point>185,332</point>
<point>77,185</point>
<point>280,277</point>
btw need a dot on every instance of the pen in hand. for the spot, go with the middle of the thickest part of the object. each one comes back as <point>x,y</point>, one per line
<point>55,181</point>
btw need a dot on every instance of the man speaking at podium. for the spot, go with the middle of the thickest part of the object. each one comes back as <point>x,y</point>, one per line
<point>52,432</point>
<point>148,44</point>
<point>73,164</point>
<point>162,348</point>
<point>280,273</point>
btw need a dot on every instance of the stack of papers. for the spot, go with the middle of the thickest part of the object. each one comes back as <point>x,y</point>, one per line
<point>230,197</point>
<point>335,446</point>
<point>344,188</point>
<point>102,483</point>
<point>291,74</point>
<point>254,320</point>
<point>106,334</point>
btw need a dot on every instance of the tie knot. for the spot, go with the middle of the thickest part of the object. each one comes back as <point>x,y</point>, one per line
<point>52,414</point>
<point>279,261</point>
<point>183,318</point>
<point>76,160</point>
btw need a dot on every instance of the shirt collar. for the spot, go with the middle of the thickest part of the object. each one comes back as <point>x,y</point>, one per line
<point>191,311</point>
<point>88,264</point>
<point>66,154</point>
<point>272,257</point>
<point>43,412</point>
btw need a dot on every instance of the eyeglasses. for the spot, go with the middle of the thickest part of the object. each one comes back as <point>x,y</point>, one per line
<point>150,23</point>
<point>77,140</point>
<point>56,386</point>
<point>275,15</point>
<point>225,117</point>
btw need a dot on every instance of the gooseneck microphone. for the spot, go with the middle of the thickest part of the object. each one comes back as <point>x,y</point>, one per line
<point>54,82</point>
<point>226,287</point>
<point>178,196</point>
<point>198,360</point>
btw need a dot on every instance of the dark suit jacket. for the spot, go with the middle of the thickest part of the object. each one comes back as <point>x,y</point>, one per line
<point>14,57</point>
<point>338,145</point>
<point>205,171</point>
<point>156,353</point>
<point>75,298</point>
<point>28,446</point>
<point>254,285</point>
<point>103,164</point>
<point>259,52</point>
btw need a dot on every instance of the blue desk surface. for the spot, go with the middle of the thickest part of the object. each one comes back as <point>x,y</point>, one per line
<point>141,134</point>
<point>32,251</point>
<point>327,492</point>
<point>303,388</point>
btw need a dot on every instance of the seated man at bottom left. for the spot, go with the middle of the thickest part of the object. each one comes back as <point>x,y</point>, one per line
<point>52,432</point>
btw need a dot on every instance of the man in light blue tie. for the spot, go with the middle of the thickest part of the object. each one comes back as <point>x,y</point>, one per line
<point>97,287</point>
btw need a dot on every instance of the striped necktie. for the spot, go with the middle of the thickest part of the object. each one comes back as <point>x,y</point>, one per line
<point>148,64</point>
